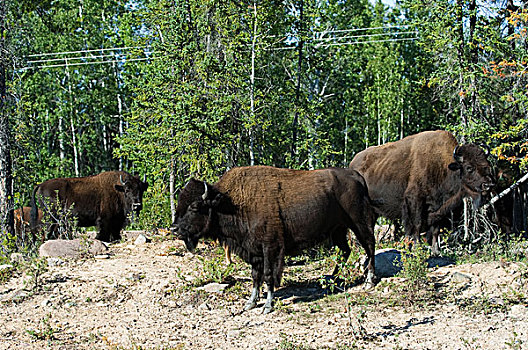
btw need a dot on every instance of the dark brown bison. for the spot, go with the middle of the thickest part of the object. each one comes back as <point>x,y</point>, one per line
<point>106,201</point>
<point>22,221</point>
<point>422,178</point>
<point>264,213</point>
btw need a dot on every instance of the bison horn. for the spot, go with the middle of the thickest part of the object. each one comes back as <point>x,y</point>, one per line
<point>204,196</point>
<point>456,156</point>
<point>121,179</point>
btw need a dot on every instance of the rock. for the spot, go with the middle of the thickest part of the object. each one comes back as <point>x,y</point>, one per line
<point>214,287</point>
<point>459,277</point>
<point>102,256</point>
<point>204,307</point>
<point>52,261</point>
<point>5,267</point>
<point>439,261</point>
<point>16,258</point>
<point>74,248</point>
<point>132,235</point>
<point>387,262</point>
<point>141,239</point>
<point>519,249</point>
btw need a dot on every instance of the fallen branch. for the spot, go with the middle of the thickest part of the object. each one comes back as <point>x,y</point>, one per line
<point>505,192</point>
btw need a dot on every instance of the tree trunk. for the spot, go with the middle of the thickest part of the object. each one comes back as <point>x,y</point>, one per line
<point>252,89</point>
<point>6,173</point>
<point>461,61</point>
<point>298,85</point>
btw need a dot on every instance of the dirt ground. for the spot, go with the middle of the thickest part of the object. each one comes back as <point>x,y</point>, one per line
<point>153,296</point>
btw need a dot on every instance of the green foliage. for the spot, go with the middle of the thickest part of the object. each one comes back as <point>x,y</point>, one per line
<point>34,268</point>
<point>156,208</point>
<point>414,268</point>
<point>5,274</point>
<point>45,330</point>
<point>214,268</point>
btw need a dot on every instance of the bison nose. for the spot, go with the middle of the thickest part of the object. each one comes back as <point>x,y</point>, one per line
<point>175,231</point>
<point>136,206</point>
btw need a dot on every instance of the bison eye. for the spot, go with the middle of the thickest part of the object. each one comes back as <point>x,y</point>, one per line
<point>470,169</point>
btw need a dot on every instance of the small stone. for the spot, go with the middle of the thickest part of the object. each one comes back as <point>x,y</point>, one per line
<point>458,277</point>
<point>16,258</point>
<point>141,239</point>
<point>5,267</point>
<point>102,256</point>
<point>55,262</point>
<point>204,307</point>
<point>214,287</point>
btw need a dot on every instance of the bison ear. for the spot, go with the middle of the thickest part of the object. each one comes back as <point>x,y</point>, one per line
<point>119,188</point>
<point>454,166</point>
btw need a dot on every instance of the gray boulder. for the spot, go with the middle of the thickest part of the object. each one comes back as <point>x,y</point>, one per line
<point>74,248</point>
<point>388,262</point>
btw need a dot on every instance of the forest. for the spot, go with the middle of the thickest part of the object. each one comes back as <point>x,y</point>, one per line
<point>177,89</point>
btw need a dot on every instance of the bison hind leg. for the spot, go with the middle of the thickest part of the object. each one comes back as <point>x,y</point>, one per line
<point>108,231</point>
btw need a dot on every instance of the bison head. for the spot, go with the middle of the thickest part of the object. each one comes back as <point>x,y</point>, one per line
<point>194,213</point>
<point>475,170</point>
<point>132,188</point>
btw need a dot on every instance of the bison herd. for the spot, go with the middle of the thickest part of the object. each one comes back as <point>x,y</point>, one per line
<point>263,213</point>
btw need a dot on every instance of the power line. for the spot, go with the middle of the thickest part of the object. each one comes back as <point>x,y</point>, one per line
<point>368,42</point>
<point>81,57</point>
<point>363,36</point>
<point>83,51</point>
<point>96,62</point>
<point>360,29</point>
<point>317,37</point>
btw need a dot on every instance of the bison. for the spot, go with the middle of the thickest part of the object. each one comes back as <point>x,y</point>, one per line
<point>264,213</point>
<point>22,221</point>
<point>105,200</point>
<point>422,178</point>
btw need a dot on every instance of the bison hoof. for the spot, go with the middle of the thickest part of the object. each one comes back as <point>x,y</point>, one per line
<point>267,309</point>
<point>250,305</point>
<point>368,286</point>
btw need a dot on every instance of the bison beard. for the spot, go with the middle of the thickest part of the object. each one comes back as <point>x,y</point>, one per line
<point>105,200</point>
<point>264,213</point>
<point>422,178</point>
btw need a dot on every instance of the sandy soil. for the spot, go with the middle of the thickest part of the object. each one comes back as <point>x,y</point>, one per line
<point>152,296</point>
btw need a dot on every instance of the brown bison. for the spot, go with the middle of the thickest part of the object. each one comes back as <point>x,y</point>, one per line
<point>106,201</point>
<point>422,178</point>
<point>263,213</point>
<point>22,221</point>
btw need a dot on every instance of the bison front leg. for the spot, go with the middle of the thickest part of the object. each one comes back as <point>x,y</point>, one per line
<point>256,274</point>
<point>432,238</point>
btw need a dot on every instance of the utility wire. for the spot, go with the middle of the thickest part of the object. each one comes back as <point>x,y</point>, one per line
<point>82,51</point>
<point>96,62</point>
<point>362,36</point>
<point>317,37</point>
<point>81,58</point>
